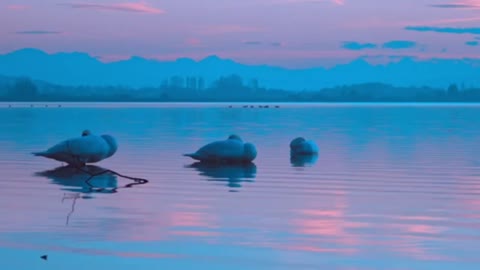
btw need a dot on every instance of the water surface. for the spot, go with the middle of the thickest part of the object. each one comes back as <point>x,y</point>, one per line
<point>394,187</point>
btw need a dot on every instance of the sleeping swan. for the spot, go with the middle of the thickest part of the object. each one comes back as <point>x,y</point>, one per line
<point>79,151</point>
<point>231,150</point>
<point>300,146</point>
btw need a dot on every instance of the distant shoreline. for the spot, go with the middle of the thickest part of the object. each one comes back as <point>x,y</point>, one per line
<point>231,89</point>
<point>259,102</point>
<point>232,105</point>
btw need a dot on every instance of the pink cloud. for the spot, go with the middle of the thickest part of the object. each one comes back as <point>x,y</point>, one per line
<point>336,2</point>
<point>193,42</point>
<point>457,20</point>
<point>460,4</point>
<point>140,7</point>
<point>17,7</point>
<point>229,29</point>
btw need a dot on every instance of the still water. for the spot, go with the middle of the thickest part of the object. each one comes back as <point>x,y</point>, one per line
<point>394,187</point>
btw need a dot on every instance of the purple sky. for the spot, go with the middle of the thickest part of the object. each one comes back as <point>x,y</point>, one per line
<point>292,33</point>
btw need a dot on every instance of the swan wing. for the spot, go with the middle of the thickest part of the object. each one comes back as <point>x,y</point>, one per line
<point>88,148</point>
<point>228,149</point>
<point>58,152</point>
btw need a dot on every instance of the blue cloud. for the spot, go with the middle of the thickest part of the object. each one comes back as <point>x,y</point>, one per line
<point>452,30</point>
<point>454,6</point>
<point>472,43</point>
<point>399,44</point>
<point>252,42</point>
<point>38,32</point>
<point>352,45</point>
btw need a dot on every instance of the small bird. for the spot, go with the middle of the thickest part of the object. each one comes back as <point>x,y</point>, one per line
<point>300,146</point>
<point>79,151</point>
<point>231,150</point>
<point>44,257</point>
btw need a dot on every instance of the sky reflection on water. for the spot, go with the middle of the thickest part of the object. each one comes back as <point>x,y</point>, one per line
<point>392,188</point>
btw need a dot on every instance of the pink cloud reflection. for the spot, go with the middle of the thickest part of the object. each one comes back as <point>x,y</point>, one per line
<point>195,233</point>
<point>191,219</point>
<point>331,223</point>
<point>300,247</point>
<point>413,246</point>
<point>87,251</point>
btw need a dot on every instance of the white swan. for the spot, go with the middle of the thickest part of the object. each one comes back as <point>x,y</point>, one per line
<point>231,150</point>
<point>79,151</point>
<point>300,146</point>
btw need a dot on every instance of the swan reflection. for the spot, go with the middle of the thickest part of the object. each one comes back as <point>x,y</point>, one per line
<point>303,160</point>
<point>75,180</point>
<point>233,174</point>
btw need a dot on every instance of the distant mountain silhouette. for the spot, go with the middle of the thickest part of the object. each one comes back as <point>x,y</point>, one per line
<point>81,69</point>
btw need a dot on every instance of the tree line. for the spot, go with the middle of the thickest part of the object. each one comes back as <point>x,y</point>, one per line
<point>231,88</point>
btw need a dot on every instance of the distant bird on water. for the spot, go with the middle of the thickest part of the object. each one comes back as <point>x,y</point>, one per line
<point>79,151</point>
<point>300,146</point>
<point>231,150</point>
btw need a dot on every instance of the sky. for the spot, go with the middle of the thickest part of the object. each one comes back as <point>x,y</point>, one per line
<point>288,33</point>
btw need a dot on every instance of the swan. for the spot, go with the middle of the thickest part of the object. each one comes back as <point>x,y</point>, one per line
<point>231,150</point>
<point>79,151</point>
<point>300,146</point>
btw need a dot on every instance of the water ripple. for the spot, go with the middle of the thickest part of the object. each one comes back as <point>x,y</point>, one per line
<point>393,185</point>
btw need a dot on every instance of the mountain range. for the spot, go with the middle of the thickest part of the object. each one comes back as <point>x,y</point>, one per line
<point>76,68</point>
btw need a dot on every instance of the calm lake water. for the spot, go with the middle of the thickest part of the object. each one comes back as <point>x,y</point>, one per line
<point>394,187</point>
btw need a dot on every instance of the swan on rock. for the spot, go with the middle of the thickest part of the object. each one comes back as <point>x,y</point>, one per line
<point>79,151</point>
<point>300,146</point>
<point>231,150</point>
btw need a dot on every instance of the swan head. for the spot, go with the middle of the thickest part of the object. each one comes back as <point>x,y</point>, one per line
<point>86,132</point>
<point>313,147</point>
<point>250,152</point>
<point>234,137</point>
<point>301,146</point>
<point>296,143</point>
<point>112,143</point>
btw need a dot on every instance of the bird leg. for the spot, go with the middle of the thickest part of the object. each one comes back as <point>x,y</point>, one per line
<point>78,162</point>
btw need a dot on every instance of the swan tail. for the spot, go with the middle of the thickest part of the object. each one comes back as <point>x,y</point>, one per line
<point>40,154</point>
<point>192,155</point>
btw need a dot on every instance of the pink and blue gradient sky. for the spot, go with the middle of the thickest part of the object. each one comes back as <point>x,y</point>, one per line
<point>292,33</point>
